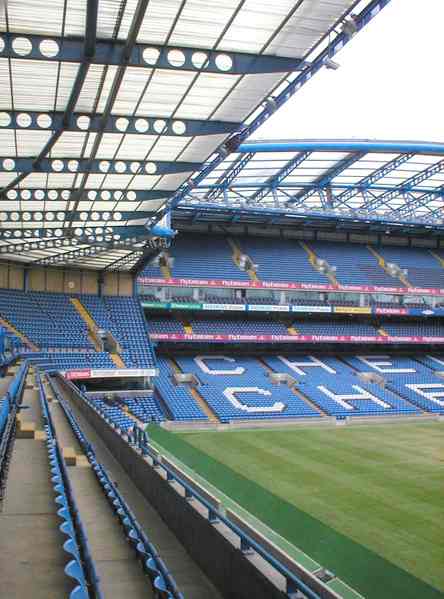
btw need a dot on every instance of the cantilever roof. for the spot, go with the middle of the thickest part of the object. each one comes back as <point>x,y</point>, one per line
<point>108,106</point>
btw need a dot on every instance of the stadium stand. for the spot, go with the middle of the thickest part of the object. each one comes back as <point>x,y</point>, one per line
<point>423,269</point>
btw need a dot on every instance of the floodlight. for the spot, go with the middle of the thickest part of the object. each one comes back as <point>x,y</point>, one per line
<point>350,26</point>
<point>329,63</point>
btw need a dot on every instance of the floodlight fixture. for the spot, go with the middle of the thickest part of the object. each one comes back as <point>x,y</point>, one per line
<point>331,64</point>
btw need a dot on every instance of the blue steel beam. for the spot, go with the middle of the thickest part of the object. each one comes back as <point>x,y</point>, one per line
<point>407,185</point>
<point>148,56</point>
<point>325,179</point>
<point>86,166</point>
<point>369,180</point>
<point>343,145</point>
<point>274,181</point>
<point>285,187</point>
<point>336,43</point>
<point>137,125</point>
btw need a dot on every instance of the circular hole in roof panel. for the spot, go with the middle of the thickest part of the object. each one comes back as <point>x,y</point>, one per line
<point>8,164</point>
<point>151,55</point>
<point>104,166</point>
<point>122,124</point>
<point>44,121</point>
<point>224,62</point>
<point>95,216</point>
<point>118,195</point>
<point>131,196</point>
<point>176,58</point>
<point>199,59</point>
<point>2,44</point>
<point>5,119</point>
<point>92,194</point>
<point>57,165</point>
<point>120,166</point>
<point>106,216</point>
<point>142,125</point>
<point>159,126</point>
<point>60,216</point>
<point>83,216</point>
<point>150,168</point>
<point>22,46</point>
<point>23,119</point>
<point>98,230</point>
<point>14,216</point>
<point>117,216</point>
<point>26,216</point>
<point>17,233</point>
<point>12,194</point>
<point>49,216</point>
<point>53,194</point>
<point>134,167</point>
<point>179,127</point>
<point>73,165</point>
<point>78,232</point>
<point>105,195</point>
<point>39,194</point>
<point>38,216</point>
<point>25,194</point>
<point>49,48</point>
<point>83,122</point>
<point>58,232</point>
<point>66,194</point>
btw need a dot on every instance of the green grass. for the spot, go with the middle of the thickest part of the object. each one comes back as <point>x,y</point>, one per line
<point>367,502</point>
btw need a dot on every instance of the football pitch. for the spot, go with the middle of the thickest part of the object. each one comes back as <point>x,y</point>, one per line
<point>367,502</point>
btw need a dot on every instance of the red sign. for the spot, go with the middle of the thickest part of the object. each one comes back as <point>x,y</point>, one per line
<point>295,338</point>
<point>159,282</point>
<point>83,373</point>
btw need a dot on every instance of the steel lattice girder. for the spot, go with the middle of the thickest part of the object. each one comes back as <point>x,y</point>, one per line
<point>276,179</point>
<point>108,52</point>
<point>407,185</point>
<point>100,166</point>
<point>136,125</point>
<point>368,181</point>
<point>325,179</point>
<point>226,181</point>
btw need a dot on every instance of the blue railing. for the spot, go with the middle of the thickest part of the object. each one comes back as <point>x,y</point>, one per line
<point>163,584</point>
<point>139,439</point>
<point>81,567</point>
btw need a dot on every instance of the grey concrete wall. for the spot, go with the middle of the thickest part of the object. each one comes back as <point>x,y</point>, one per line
<point>223,563</point>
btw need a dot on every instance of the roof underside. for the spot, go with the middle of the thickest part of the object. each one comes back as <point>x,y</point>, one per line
<point>108,107</point>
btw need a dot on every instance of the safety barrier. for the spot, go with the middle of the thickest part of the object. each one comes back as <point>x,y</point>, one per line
<point>8,422</point>
<point>162,582</point>
<point>81,567</point>
<point>139,440</point>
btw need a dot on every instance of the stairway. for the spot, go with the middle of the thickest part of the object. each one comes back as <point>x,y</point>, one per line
<point>93,328</point>
<point>293,330</point>
<point>382,332</point>
<point>312,257</point>
<point>307,400</point>
<point>382,263</point>
<point>438,258</point>
<point>212,417</point>
<point>236,259</point>
<point>11,328</point>
<point>165,269</point>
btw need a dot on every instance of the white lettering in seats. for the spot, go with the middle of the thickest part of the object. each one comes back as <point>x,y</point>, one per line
<point>436,391</point>
<point>342,398</point>
<point>200,361</point>
<point>230,394</point>
<point>384,364</point>
<point>311,363</point>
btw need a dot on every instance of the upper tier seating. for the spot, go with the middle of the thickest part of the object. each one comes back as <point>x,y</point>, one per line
<point>164,324</point>
<point>355,264</point>
<point>47,319</point>
<point>281,260</point>
<point>334,327</point>
<point>422,329</point>
<point>71,360</point>
<point>423,268</point>
<point>122,316</point>
<point>238,327</point>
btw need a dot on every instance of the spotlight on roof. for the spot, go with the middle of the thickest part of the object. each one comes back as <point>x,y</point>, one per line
<point>331,64</point>
<point>350,26</point>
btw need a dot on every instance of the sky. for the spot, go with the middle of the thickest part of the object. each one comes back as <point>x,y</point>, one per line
<point>390,84</point>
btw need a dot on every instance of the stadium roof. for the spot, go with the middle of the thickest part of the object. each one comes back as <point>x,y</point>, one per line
<point>108,107</point>
<point>352,181</point>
